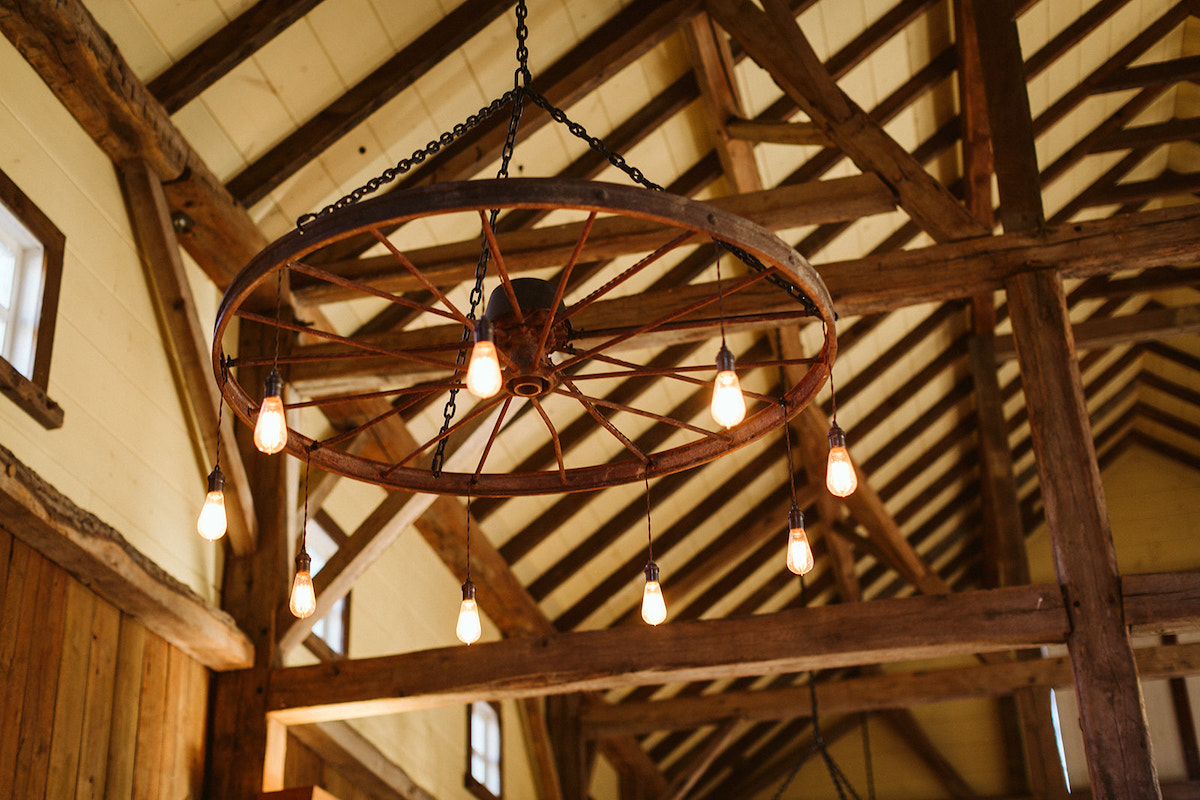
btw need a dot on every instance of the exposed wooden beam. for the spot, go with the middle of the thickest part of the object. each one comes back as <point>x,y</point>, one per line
<point>184,80</point>
<point>713,64</point>
<point>1141,326</point>
<point>367,96</point>
<point>798,133</point>
<point>525,250</point>
<point>346,750</point>
<point>1165,185</point>
<point>878,283</point>
<point>875,692</point>
<point>700,761</point>
<point>185,343</point>
<point>1162,72</point>
<point>98,556</point>
<point>1115,732</point>
<point>1174,130</point>
<point>837,635</point>
<point>773,40</point>
<point>82,66</point>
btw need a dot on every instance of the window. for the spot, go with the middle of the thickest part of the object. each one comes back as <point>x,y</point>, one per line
<point>483,750</point>
<point>31,255</point>
<point>333,629</point>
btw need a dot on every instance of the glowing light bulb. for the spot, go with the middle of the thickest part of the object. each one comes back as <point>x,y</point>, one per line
<point>654,607</point>
<point>728,405</point>
<point>839,474</point>
<point>483,373</point>
<point>303,601</point>
<point>468,628</point>
<point>212,522</point>
<point>270,432</point>
<point>799,551</point>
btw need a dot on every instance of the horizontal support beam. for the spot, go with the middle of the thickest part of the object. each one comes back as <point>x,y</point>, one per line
<point>881,631</point>
<point>1143,326</point>
<point>799,133</point>
<point>863,286</point>
<point>819,202</point>
<point>869,693</point>
<point>100,558</point>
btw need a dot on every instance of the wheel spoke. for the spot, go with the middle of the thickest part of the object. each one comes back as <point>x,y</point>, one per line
<point>395,299</point>
<point>416,273</point>
<point>501,270</point>
<point>398,408</point>
<point>677,423</point>
<point>656,323</point>
<point>563,277</point>
<point>558,455</point>
<point>477,411</point>
<point>629,273</point>
<point>422,389</point>
<point>367,347</point>
<point>492,438</point>
<point>604,421</point>
<point>633,370</point>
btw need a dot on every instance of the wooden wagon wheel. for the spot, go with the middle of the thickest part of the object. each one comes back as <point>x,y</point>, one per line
<point>552,351</point>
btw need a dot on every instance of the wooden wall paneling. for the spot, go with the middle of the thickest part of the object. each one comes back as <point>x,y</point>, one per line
<point>127,685</point>
<point>66,742</point>
<point>20,579</point>
<point>152,713</point>
<point>98,702</point>
<point>48,620</point>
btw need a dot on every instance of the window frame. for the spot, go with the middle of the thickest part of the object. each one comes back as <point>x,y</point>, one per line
<point>473,785</point>
<point>29,393</point>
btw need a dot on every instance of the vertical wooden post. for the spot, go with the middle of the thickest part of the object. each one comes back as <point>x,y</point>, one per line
<point>571,751</point>
<point>253,586</point>
<point>1115,734</point>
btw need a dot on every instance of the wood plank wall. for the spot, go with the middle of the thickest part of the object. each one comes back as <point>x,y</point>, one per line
<point>303,767</point>
<point>93,705</point>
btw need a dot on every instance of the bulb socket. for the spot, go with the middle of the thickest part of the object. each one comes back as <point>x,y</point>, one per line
<point>837,437</point>
<point>725,360</point>
<point>303,562</point>
<point>651,571</point>
<point>216,480</point>
<point>483,330</point>
<point>468,589</point>
<point>274,386</point>
<point>795,518</point>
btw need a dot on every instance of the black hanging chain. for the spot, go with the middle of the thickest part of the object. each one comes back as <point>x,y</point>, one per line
<point>518,92</point>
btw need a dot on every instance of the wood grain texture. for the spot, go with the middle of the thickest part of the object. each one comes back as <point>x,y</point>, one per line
<point>98,555</point>
<point>1116,737</point>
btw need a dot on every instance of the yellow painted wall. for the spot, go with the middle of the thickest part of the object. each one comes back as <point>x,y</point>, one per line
<point>124,452</point>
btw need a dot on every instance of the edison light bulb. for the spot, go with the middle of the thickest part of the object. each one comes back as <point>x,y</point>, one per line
<point>839,475</point>
<point>654,607</point>
<point>799,551</point>
<point>303,601</point>
<point>212,522</point>
<point>483,373</point>
<point>728,405</point>
<point>270,432</point>
<point>468,628</point>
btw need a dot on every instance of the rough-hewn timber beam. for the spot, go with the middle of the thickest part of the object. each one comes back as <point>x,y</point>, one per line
<point>881,631</point>
<point>773,40</point>
<point>345,749</point>
<point>1142,326</point>
<point>868,693</point>
<point>82,66</point>
<point>99,557</point>
<point>186,345</point>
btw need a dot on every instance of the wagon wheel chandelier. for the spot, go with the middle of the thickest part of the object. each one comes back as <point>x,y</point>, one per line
<point>566,320</point>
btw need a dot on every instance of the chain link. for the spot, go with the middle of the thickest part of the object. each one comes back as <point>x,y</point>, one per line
<point>519,92</point>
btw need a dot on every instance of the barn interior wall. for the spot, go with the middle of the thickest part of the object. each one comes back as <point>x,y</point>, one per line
<point>125,452</point>
<point>94,705</point>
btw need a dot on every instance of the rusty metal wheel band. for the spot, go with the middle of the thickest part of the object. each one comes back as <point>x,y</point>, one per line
<point>384,213</point>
